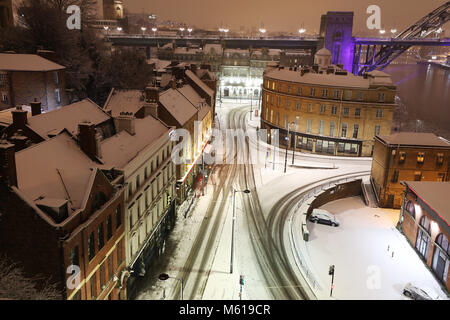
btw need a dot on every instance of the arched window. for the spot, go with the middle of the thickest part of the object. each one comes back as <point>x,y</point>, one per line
<point>411,209</point>
<point>441,257</point>
<point>423,237</point>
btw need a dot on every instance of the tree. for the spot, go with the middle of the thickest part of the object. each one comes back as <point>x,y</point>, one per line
<point>15,285</point>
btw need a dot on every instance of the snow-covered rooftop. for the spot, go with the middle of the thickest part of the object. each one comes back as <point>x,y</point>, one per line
<point>6,115</point>
<point>331,80</point>
<point>435,195</point>
<point>46,170</point>
<point>177,105</point>
<point>200,83</point>
<point>120,149</point>
<point>160,65</point>
<point>27,62</point>
<point>196,100</point>
<point>123,100</point>
<point>414,139</point>
<point>67,117</point>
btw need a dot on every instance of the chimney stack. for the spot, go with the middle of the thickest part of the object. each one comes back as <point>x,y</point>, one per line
<point>8,171</point>
<point>88,139</point>
<point>125,121</point>
<point>151,94</point>
<point>173,84</point>
<point>35,108</point>
<point>19,117</point>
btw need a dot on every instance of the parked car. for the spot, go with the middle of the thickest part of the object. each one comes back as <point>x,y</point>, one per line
<point>419,292</point>
<point>323,217</point>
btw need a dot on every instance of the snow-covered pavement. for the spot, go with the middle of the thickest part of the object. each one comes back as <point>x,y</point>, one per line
<point>373,259</point>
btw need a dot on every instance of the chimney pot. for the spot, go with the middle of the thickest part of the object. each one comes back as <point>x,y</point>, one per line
<point>88,139</point>
<point>19,117</point>
<point>35,108</point>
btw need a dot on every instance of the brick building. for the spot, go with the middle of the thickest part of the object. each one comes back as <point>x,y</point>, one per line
<point>407,156</point>
<point>62,216</point>
<point>424,220</point>
<point>28,77</point>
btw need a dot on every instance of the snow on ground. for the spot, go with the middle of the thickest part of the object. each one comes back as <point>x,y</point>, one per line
<point>373,259</point>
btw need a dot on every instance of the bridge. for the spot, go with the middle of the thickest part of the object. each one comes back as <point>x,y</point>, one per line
<point>358,55</point>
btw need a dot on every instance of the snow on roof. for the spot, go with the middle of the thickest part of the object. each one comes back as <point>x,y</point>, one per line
<point>186,50</point>
<point>67,117</point>
<point>6,115</point>
<point>27,62</point>
<point>332,80</point>
<point>213,46</point>
<point>177,105</point>
<point>200,83</point>
<point>414,139</point>
<point>435,195</point>
<point>122,148</point>
<point>160,65</point>
<point>205,72</point>
<point>46,170</point>
<point>200,103</point>
<point>122,100</point>
<point>165,79</point>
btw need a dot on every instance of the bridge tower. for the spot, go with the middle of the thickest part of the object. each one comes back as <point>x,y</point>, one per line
<point>336,31</point>
<point>6,14</point>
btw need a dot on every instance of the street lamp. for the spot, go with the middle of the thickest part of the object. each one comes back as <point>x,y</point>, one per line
<point>165,276</point>
<point>119,29</point>
<point>143,30</point>
<point>106,29</point>
<point>302,30</point>
<point>262,31</point>
<point>393,31</point>
<point>181,29</point>
<point>232,225</point>
<point>382,31</point>
<point>154,29</point>
<point>287,148</point>
<point>189,30</point>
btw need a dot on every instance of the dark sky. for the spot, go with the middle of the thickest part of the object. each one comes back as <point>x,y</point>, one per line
<point>285,15</point>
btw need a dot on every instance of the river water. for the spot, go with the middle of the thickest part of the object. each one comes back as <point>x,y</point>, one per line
<point>424,98</point>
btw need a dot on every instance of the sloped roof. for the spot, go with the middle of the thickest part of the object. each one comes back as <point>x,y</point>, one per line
<point>414,139</point>
<point>27,62</point>
<point>177,105</point>
<point>67,117</point>
<point>123,100</point>
<point>47,169</point>
<point>200,83</point>
<point>435,195</point>
<point>122,148</point>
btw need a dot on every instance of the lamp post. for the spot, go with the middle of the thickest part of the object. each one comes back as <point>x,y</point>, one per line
<point>302,31</point>
<point>189,30</point>
<point>181,29</point>
<point>143,30</point>
<point>119,29</point>
<point>287,148</point>
<point>154,29</point>
<point>165,276</point>
<point>262,31</point>
<point>232,225</point>
<point>226,31</point>
<point>106,29</point>
<point>382,31</point>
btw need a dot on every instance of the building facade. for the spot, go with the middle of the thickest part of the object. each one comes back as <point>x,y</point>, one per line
<point>26,77</point>
<point>62,218</point>
<point>424,220</point>
<point>407,156</point>
<point>326,109</point>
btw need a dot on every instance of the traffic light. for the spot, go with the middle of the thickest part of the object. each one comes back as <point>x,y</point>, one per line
<point>331,271</point>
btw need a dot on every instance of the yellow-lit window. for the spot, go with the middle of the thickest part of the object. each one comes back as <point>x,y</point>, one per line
<point>402,157</point>
<point>420,157</point>
<point>440,159</point>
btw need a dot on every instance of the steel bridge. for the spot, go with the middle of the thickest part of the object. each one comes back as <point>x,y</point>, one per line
<point>381,52</point>
<point>368,53</point>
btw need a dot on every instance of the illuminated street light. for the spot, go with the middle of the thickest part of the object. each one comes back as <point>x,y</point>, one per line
<point>106,29</point>
<point>262,31</point>
<point>393,31</point>
<point>119,29</point>
<point>302,30</point>
<point>189,30</point>
<point>154,31</point>
<point>382,31</point>
<point>143,30</point>
<point>181,29</point>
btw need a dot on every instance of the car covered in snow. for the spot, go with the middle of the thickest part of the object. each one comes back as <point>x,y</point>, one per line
<point>418,291</point>
<point>323,217</point>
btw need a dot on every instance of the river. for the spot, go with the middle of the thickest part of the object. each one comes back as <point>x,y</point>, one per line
<point>424,98</point>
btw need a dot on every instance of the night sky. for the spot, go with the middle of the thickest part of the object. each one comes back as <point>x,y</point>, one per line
<point>281,15</point>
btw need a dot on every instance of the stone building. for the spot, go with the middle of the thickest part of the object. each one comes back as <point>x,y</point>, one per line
<point>424,220</point>
<point>407,156</point>
<point>27,77</point>
<point>327,109</point>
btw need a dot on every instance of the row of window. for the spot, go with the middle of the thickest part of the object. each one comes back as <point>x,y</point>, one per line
<point>420,156</point>
<point>344,133</point>
<point>417,176</point>
<point>323,108</point>
<point>149,169</point>
<point>93,247</point>
<point>324,93</point>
